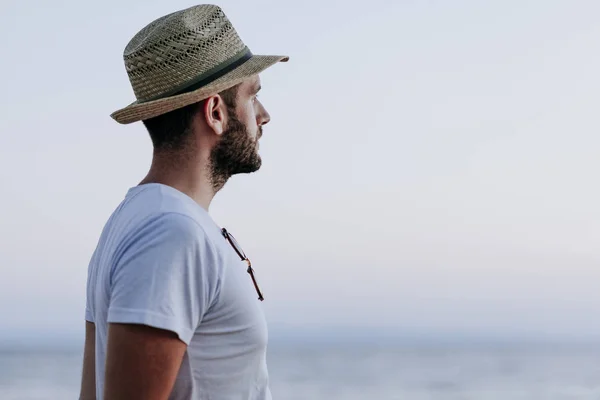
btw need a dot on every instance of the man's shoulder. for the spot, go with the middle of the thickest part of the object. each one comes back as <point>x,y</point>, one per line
<point>161,204</point>
<point>154,198</point>
<point>158,215</point>
<point>179,228</point>
<point>173,237</point>
<point>174,223</point>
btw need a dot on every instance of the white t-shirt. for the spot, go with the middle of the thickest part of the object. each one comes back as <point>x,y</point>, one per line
<point>162,261</point>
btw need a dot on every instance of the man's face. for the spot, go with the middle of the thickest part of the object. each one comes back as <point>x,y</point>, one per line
<point>237,150</point>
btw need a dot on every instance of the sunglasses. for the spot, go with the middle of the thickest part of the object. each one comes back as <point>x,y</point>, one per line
<point>243,257</point>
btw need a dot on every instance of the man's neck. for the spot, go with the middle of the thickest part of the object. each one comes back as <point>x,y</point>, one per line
<point>190,177</point>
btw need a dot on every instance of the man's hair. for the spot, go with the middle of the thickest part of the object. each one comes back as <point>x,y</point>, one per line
<point>171,131</point>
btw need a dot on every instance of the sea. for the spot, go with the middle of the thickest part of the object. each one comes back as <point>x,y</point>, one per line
<point>353,371</point>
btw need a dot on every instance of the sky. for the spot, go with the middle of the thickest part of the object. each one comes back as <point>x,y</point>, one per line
<point>430,166</point>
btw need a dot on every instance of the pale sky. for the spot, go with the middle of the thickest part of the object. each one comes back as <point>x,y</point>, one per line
<point>430,166</point>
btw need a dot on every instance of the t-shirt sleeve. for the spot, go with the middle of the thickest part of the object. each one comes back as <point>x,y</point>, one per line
<point>166,277</point>
<point>89,314</point>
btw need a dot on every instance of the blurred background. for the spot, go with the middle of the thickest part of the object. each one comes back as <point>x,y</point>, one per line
<point>426,221</point>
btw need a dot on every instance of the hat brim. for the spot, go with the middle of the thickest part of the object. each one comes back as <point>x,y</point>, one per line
<point>139,111</point>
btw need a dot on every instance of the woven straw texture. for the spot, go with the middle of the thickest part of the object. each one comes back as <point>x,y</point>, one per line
<point>174,50</point>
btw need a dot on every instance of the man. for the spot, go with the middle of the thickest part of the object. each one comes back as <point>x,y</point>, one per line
<point>172,309</point>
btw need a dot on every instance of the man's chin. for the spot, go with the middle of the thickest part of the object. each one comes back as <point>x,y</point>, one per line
<point>254,168</point>
<point>249,168</point>
<point>257,163</point>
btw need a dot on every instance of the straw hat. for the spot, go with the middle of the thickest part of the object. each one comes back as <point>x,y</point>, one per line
<point>183,58</point>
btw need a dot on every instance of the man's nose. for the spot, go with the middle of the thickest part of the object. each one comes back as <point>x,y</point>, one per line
<point>264,116</point>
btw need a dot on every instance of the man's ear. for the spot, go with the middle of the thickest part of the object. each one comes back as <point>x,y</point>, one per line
<point>215,114</point>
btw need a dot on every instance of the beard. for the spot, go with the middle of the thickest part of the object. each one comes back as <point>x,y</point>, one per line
<point>235,153</point>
